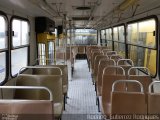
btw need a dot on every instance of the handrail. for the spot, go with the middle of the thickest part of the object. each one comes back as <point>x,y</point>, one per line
<point>132,64</point>
<point>112,52</point>
<point>138,68</point>
<point>115,55</point>
<point>106,59</point>
<point>29,88</point>
<point>43,67</point>
<point>112,66</point>
<point>151,84</point>
<point>125,81</point>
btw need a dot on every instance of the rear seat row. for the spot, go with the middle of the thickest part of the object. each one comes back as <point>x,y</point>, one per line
<point>53,94</point>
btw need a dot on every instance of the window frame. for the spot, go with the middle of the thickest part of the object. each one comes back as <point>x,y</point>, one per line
<point>6,50</point>
<point>156,39</point>
<point>18,47</point>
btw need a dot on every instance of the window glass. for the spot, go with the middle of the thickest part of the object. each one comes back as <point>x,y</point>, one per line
<point>121,33</point>
<point>109,34</point>
<point>109,44</point>
<point>147,33</point>
<point>41,54</point>
<point>143,57</point>
<point>25,33</point>
<point>143,34</point>
<point>20,33</point>
<point>85,36</point>
<point>133,33</point>
<point>115,46</point>
<point>2,66</point>
<point>103,34</point>
<point>3,41</point>
<point>120,48</point>
<point>17,64</point>
<point>3,46</point>
<point>51,52</point>
<point>115,33</point>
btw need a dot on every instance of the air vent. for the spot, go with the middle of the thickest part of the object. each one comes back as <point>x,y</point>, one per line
<point>83,8</point>
<point>81,18</point>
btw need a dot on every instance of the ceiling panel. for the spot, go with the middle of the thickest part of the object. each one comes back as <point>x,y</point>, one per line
<point>56,9</point>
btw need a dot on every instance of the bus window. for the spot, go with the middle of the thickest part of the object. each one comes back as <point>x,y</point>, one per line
<point>142,44</point>
<point>20,45</point>
<point>119,40</point>
<point>3,48</point>
<point>109,38</point>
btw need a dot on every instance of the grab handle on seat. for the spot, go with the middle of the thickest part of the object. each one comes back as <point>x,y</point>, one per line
<point>30,88</point>
<point>127,81</point>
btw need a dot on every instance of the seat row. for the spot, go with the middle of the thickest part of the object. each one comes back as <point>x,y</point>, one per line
<point>107,67</point>
<point>112,74</point>
<point>39,80</point>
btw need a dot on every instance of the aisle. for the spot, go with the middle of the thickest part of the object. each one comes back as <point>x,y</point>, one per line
<point>82,94</point>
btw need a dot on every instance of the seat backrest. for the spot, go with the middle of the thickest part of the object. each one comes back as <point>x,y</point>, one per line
<point>109,79</point>
<point>90,51</point>
<point>47,70</point>
<point>52,82</point>
<point>122,62</point>
<point>113,70</point>
<point>116,57</point>
<point>109,53</point>
<point>102,64</point>
<point>81,50</point>
<point>153,100</point>
<point>94,54</point>
<point>127,103</point>
<point>64,70</point>
<point>96,63</point>
<point>31,109</point>
<point>126,64</point>
<point>105,51</point>
<point>103,47</point>
<point>144,79</point>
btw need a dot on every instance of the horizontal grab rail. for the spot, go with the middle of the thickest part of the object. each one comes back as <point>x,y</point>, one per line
<point>151,84</point>
<point>43,67</point>
<point>127,81</point>
<point>30,88</point>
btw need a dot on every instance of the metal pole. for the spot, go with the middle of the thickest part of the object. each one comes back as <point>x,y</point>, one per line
<point>70,27</point>
<point>65,39</point>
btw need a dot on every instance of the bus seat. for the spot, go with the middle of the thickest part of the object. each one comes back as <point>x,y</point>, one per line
<point>126,64</point>
<point>27,109</point>
<point>102,64</point>
<point>95,65</point>
<point>53,70</point>
<point>109,53</point>
<point>52,82</point>
<point>110,74</point>
<point>127,103</point>
<point>153,100</point>
<point>144,79</point>
<point>115,57</point>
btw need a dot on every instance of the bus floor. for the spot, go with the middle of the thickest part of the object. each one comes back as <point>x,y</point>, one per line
<point>82,97</point>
